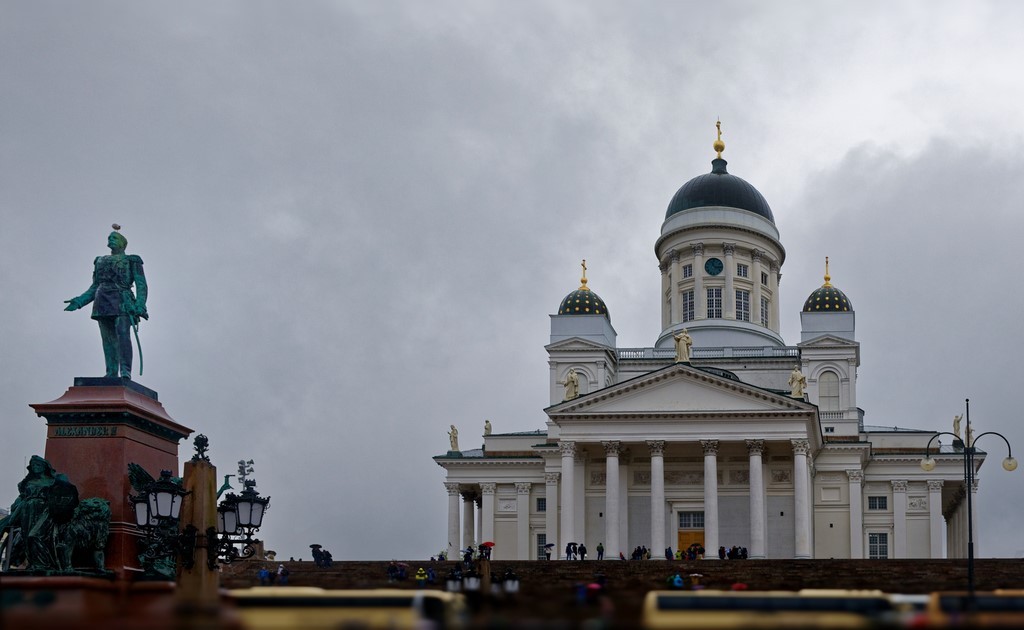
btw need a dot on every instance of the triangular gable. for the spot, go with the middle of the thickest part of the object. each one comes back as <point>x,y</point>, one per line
<point>827,340</point>
<point>576,344</point>
<point>678,389</point>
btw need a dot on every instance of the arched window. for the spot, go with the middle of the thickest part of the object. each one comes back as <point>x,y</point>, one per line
<point>828,391</point>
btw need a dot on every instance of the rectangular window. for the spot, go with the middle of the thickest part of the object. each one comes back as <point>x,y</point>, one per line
<point>878,546</point>
<point>830,429</point>
<point>714,302</point>
<point>542,539</point>
<point>691,520</point>
<point>764,312</point>
<point>742,271</point>
<point>742,305</point>
<point>687,271</point>
<point>878,503</point>
<point>542,504</point>
<point>688,305</point>
<point>764,278</point>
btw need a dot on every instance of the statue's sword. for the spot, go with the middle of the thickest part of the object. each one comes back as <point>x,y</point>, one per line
<point>135,327</point>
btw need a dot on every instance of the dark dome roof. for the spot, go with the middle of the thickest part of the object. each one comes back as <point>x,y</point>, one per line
<point>827,299</point>
<point>583,301</point>
<point>719,188</point>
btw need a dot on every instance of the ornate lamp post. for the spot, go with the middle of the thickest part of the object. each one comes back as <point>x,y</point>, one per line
<point>1009,464</point>
<point>238,518</point>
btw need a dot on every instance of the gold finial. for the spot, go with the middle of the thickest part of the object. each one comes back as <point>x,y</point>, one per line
<point>828,278</point>
<point>583,280</point>
<point>719,146</point>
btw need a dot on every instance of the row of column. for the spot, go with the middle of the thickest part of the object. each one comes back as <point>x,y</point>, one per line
<point>755,448</point>
<point>900,546</point>
<point>956,522</point>
<point>673,270</point>
<point>957,535</point>
<point>484,502</point>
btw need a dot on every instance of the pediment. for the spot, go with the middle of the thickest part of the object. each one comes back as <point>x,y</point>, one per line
<point>827,340</point>
<point>576,344</point>
<point>679,389</point>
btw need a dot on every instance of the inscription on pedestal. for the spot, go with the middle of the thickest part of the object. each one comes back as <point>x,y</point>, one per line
<point>84,431</point>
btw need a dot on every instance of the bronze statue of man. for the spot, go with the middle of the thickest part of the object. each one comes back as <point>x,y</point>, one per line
<point>114,307</point>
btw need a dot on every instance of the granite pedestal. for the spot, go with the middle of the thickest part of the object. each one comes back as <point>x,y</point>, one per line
<point>94,431</point>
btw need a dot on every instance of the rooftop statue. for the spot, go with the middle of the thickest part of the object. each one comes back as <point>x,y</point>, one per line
<point>797,383</point>
<point>453,438</point>
<point>683,344</point>
<point>115,307</point>
<point>572,385</point>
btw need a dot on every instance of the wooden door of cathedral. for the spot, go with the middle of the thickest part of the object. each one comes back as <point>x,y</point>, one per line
<point>687,537</point>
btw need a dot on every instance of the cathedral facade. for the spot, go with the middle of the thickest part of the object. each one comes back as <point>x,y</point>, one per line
<point>720,433</point>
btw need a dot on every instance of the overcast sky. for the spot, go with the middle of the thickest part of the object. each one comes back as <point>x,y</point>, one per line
<point>356,217</point>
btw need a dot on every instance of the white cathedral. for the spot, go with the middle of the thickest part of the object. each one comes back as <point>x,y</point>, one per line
<point>741,440</point>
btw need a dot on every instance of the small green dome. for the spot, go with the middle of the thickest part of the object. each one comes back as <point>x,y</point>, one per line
<point>583,301</point>
<point>827,299</point>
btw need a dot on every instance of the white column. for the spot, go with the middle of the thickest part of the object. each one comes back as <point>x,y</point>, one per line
<point>773,280</point>
<point>551,515</point>
<point>568,450</point>
<point>487,512</point>
<point>579,511</point>
<point>729,299</point>
<point>453,519</point>
<point>666,309</point>
<point>624,464</point>
<point>935,517</point>
<point>757,513</point>
<point>899,518</point>
<point>801,516</point>
<point>673,287</point>
<point>700,300</point>
<point>478,535</point>
<point>710,498</point>
<point>755,295</point>
<point>523,551</point>
<point>468,503</point>
<point>611,499</point>
<point>657,496</point>
<point>856,514</point>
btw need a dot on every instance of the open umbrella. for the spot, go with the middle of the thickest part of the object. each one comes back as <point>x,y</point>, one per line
<point>487,544</point>
<point>549,545</point>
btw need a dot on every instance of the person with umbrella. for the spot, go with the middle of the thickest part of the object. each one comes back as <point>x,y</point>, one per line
<point>547,550</point>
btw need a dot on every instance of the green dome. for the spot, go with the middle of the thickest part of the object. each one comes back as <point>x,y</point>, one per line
<point>719,188</point>
<point>583,301</point>
<point>827,299</point>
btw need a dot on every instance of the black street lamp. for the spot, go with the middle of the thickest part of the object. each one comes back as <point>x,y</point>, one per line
<point>968,452</point>
<point>157,510</point>
<point>238,518</point>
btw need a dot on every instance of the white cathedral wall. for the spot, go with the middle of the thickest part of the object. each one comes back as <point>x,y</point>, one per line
<point>733,522</point>
<point>506,539</point>
<point>781,539</point>
<point>832,532</point>
<point>640,527</point>
<point>918,537</point>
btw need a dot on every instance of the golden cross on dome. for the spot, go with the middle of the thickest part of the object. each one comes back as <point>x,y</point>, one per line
<point>828,278</point>
<point>719,146</point>
<point>583,280</point>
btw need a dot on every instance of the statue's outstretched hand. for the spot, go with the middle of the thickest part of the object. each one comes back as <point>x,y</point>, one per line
<point>72,304</point>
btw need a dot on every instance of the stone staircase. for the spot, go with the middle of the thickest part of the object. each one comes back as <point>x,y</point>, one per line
<point>550,590</point>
